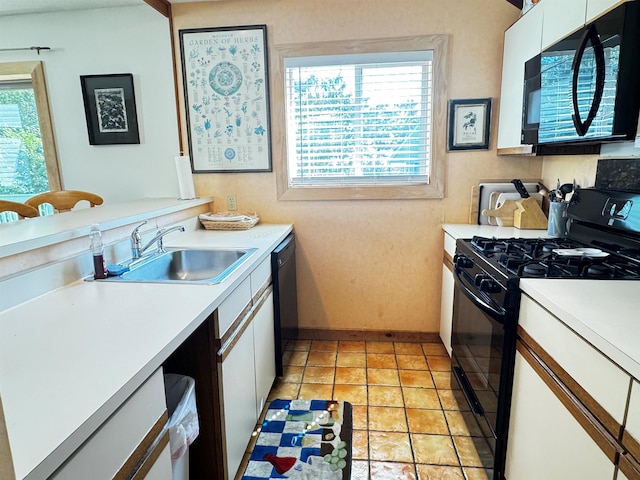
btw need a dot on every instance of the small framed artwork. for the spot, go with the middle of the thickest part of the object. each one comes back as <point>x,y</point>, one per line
<point>226,91</point>
<point>110,109</point>
<point>469,124</point>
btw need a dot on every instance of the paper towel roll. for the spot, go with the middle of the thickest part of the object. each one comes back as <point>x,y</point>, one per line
<point>185,178</point>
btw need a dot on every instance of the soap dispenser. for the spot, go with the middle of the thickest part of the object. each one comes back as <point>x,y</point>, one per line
<point>97,249</point>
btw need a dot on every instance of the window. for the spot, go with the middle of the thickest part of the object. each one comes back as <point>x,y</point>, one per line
<point>28,160</point>
<point>359,122</point>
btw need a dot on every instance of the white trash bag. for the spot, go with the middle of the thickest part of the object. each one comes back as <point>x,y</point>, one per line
<point>183,416</point>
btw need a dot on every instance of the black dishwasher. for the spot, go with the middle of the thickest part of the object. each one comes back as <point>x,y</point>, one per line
<point>285,301</point>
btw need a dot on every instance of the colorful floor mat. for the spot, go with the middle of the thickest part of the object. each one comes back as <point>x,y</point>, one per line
<point>303,439</point>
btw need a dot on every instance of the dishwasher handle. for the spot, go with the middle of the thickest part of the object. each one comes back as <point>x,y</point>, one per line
<point>285,251</point>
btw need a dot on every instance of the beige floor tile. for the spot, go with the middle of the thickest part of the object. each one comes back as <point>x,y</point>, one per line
<point>321,359</point>
<point>292,374</point>
<point>324,345</point>
<point>318,391</point>
<point>390,446</point>
<point>472,455</point>
<point>439,364</point>
<point>427,421</point>
<point>387,419</point>
<point>354,394</point>
<point>458,425</point>
<point>412,362</point>
<point>381,360</point>
<point>351,359</point>
<point>380,347</point>
<point>385,396</point>
<point>298,345</point>
<point>351,375</point>
<point>295,357</point>
<point>392,471</point>
<point>437,472</point>
<point>477,473</point>
<point>449,402</point>
<point>360,445</point>
<point>318,375</point>
<point>359,470</point>
<point>443,380</point>
<point>405,348</point>
<point>383,376</point>
<point>421,398</point>
<point>416,378</point>
<point>286,391</point>
<point>351,346</point>
<point>434,449</point>
<point>360,417</point>
<point>436,349</point>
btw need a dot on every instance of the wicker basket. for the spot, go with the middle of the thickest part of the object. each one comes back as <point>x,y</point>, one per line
<point>246,223</point>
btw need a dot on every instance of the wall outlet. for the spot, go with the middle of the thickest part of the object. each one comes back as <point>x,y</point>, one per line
<point>231,202</point>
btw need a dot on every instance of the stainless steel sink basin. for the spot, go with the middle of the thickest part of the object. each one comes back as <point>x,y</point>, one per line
<point>205,266</point>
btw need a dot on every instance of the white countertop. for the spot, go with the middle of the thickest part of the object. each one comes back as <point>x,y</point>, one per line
<point>604,312</point>
<point>69,358</point>
<point>32,233</point>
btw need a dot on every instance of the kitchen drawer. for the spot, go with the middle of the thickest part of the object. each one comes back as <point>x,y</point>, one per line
<point>260,277</point>
<point>595,373</point>
<point>232,307</point>
<point>449,245</point>
<point>116,448</point>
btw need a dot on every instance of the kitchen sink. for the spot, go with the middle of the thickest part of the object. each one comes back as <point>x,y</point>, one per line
<point>204,266</point>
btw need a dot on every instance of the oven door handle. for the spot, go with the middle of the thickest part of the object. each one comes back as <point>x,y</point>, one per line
<point>498,313</point>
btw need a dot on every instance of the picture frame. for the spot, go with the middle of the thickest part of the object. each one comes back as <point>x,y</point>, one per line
<point>225,75</point>
<point>469,124</point>
<point>110,109</point>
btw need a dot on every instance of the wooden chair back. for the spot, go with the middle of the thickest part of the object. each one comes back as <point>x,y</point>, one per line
<point>64,200</point>
<point>20,208</point>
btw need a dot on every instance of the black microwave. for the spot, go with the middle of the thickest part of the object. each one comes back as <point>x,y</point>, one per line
<point>586,87</point>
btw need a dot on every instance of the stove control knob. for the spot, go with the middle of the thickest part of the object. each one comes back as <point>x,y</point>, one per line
<point>479,278</point>
<point>462,261</point>
<point>489,285</point>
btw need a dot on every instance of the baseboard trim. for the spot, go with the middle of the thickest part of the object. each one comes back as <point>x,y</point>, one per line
<point>367,335</point>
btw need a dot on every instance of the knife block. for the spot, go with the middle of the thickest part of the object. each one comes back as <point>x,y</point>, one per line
<point>528,214</point>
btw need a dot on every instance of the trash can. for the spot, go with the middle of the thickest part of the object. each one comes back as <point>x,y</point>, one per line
<point>183,421</point>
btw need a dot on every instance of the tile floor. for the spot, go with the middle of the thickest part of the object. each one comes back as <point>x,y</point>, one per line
<point>407,423</point>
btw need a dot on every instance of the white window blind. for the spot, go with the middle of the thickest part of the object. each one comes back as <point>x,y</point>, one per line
<point>359,119</point>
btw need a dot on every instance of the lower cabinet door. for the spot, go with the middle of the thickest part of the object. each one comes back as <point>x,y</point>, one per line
<point>238,397</point>
<point>545,440</point>
<point>265,352</point>
<point>446,307</point>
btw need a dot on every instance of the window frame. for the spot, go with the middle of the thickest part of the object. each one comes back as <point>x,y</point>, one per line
<point>439,44</point>
<point>34,72</point>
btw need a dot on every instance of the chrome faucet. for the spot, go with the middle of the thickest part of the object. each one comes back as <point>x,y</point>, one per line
<point>136,241</point>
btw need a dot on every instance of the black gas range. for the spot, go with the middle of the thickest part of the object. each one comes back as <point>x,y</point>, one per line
<point>603,244</point>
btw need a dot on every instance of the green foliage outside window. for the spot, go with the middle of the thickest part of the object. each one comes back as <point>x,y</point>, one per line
<point>30,167</point>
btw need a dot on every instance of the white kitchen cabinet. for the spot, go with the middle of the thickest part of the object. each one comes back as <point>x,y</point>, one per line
<point>238,397</point>
<point>545,440</point>
<point>446,298</point>
<point>123,447</point>
<point>596,8</point>
<point>568,405</point>
<point>631,437</point>
<point>521,42</point>
<point>561,18</point>
<point>265,348</point>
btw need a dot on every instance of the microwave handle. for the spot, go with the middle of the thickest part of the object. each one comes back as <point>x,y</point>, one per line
<point>590,35</point>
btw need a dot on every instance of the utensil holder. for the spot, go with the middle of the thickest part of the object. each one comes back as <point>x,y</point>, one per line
<point>557,226</point>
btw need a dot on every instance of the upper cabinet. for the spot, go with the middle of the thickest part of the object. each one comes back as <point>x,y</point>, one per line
<point>595,8</point>
<point>521,42</point>
<point>542,26</point>
<point>560,18</point>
